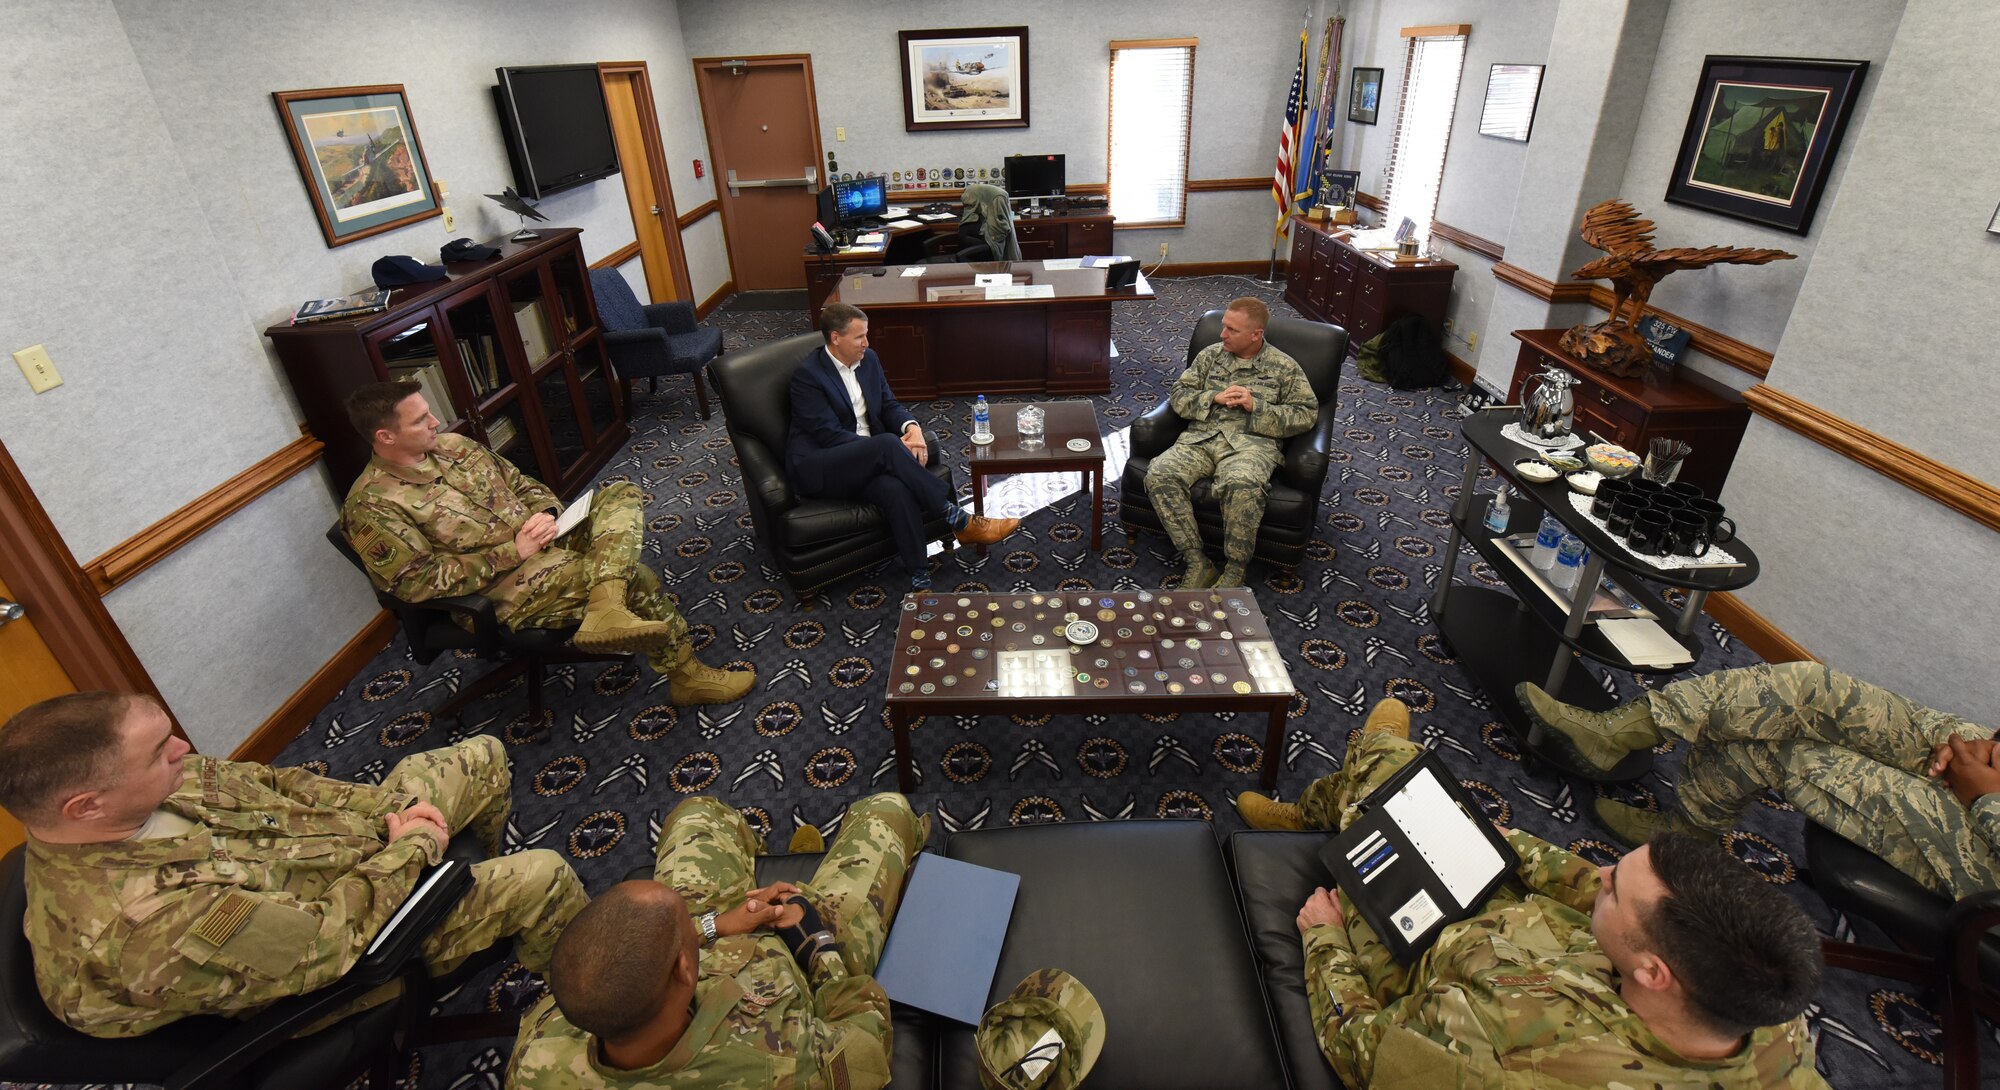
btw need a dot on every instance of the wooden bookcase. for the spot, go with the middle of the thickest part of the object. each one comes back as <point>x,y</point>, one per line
<point>509,350</point>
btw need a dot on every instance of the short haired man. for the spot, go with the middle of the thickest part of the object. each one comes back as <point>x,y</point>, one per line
<point>434,515</point>
<point>851,439</point>
<point>1240,396</point>
<point>1679,966</point>
<point>653,985</point>
<point>1918,787</point>
<point>163,884</point>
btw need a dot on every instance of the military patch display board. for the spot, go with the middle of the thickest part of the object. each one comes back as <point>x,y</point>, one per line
<point>1123,651</point>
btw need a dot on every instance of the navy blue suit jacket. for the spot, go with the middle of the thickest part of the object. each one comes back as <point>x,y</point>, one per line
<point>823,414</point>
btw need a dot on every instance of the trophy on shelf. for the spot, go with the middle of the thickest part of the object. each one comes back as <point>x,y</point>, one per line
<point>517,204</point>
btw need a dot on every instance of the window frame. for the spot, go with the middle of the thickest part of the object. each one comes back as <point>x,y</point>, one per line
<point>1416,36</point>
<point>1111,125</point>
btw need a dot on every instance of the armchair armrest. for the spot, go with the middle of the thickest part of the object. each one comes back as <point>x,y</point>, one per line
<point>399,942</point>
<point>1304,467</point>
<point>1155,431</point>
<point>674,317</point>
<point>1968,923</point>
<point>762,471</point>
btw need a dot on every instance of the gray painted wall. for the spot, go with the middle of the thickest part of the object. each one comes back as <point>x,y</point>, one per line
<point>1242,69</point>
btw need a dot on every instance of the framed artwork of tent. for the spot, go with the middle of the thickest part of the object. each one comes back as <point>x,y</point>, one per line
<point>1761,137</point>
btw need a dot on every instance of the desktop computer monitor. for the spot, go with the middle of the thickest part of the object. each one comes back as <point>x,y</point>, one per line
<point>860,199</point>
<point>1032,177</point>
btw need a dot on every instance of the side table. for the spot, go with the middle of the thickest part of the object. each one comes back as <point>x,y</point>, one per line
<point>1066,421</point>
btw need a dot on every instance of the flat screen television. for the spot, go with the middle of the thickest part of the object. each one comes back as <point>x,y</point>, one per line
<point>1034,175</point>
<point>860,199</point>
<point>558,131</point>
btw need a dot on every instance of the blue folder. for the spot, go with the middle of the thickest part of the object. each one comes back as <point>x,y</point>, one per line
<point>945,943</point>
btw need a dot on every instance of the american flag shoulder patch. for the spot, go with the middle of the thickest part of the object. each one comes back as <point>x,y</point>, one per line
<point>228,917</point>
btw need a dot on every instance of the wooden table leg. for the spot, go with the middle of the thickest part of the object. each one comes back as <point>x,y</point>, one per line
<point>1096,509</point>
<point>899,723</point>
<point>978,504</point>
<point>1274,736</point>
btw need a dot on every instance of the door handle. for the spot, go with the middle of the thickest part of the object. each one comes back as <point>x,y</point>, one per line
<point>656,210</point>
<point>11,611</point>
<point>811,176</point>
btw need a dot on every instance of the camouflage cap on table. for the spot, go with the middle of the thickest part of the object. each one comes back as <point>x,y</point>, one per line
<point>1049,999</point>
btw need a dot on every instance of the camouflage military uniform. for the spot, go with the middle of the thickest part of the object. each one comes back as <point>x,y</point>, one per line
<point>446,526</point>
<point>758,1022</point>
<point>277,891</point>
<point>1238,449</point>
<point>1518,996</point>
<point>1851,756</point>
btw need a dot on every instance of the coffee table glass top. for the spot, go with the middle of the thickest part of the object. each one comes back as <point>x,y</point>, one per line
<point>1094,644</point>
<point>1064,421</point>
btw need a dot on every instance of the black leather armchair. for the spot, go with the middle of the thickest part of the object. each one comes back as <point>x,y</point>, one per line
<point>1952,948</point>
<point>654,339</point>
<point>814,541</point>
<point>467,622</point>
<point>1291,507</point>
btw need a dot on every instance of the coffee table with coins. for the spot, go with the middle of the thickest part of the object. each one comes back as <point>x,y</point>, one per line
<point>1069,444</point>
<point>1088,652</point>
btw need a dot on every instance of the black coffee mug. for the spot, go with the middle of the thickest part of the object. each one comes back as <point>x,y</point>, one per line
<point>1721,527</point>
<point>1640,486</point>
<point>1623,510</point>
<point>1608,492</point>
<point>1667,502</point>
<point>1686,491</point>
<point>1689,534</point>
<point>1650,533</point>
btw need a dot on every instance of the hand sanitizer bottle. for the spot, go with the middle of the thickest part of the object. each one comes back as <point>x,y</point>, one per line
<point>1498,513</point>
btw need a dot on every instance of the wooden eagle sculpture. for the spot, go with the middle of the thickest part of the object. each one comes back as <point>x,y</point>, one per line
<point>1633,266</point>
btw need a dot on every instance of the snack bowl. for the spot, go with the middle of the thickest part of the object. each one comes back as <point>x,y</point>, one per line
<point>1585,481</point>
<point>1566,463</point>
<point>1529,469</point>
<point>1611,459</point>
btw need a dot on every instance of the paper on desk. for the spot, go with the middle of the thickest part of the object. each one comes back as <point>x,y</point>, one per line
<point>1456,849</point>
<point>574,513</point>
<point>896,211</point>
<point>872,238</point>
<point>933,217</point>
<point>900,224</point>
<point>992,280</point>
<point>914,270</point>
<point>1063,263</point>
<point>1021,291</point>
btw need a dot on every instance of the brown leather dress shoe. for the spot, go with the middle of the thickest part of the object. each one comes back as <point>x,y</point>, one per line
<point>985,531</point>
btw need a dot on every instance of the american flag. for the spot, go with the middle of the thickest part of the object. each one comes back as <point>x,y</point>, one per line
<point>1288,142</point>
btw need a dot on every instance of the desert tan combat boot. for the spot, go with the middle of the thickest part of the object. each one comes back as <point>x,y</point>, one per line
<point>1389,716</point>
<point>1265,812</point>
<point>806,840</point>
<point>1232,576</point>
<point>1197,573</point>
<point>1634,826</point>
<point>694,683</point>
<point>1601,738</point>
<point>610,628</point>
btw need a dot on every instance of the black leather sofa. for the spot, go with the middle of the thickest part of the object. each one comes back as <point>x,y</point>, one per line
<point>813,541</point>
<point>1192,952</point>
<point>1291,507</point>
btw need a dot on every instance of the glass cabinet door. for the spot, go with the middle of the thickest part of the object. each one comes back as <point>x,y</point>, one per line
<point>567,441</point>
<point>415,351</point>
<point>504,419</point>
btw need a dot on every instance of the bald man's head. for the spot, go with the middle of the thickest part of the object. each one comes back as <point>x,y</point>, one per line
<point>614,965</point>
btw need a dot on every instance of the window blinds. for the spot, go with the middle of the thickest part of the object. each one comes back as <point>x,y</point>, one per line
<point>1152,106</point>
<point>1423,129</point>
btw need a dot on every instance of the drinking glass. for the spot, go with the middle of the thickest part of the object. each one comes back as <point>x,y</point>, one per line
<point>1029,423</point>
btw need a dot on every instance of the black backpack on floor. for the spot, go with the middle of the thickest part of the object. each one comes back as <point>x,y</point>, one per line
<point>1410,354</point>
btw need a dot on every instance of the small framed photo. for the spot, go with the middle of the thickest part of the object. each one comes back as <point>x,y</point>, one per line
<point>1337,188</point>
<point>360,159</point>
<point>1511,91</point>
<point>1761,137</point>
<point>1364,95</point>
<point>969,78</point>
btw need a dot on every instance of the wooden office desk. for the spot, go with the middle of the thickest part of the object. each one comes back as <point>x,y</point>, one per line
<point>1074,234</point>
<point>964,346</point>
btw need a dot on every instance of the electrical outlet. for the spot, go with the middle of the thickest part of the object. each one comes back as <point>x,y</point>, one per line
<point>1447,327</point>
<point>1163,251</point>
<point>840,133</point>
<point>39,369</point>
<point>1472,340</point>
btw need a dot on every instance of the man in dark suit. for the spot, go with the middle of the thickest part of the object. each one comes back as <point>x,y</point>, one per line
<point>851,439</point>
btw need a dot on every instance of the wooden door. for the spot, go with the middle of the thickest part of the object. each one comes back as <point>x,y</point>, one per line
<point>29,674</point>
<point>763,124</point>
<point>635,127</point>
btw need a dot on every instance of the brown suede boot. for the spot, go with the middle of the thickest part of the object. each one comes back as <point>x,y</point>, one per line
<point>1264,812</point>
<point>694,683</point>
<point>981,530</point>
<point>610,628</point>
<point>1389,716</point>
<point>806,840</point>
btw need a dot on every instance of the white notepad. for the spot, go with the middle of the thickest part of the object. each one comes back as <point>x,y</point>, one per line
<point>574,513</point>
<point>1644,642</point>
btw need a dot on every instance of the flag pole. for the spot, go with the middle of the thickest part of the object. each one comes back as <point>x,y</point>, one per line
<point>1284,178</point>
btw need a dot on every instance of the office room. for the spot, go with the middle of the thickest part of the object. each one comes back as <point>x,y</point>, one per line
<point>170,488</point>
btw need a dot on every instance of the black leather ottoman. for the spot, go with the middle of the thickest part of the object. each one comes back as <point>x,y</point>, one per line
<point>1142,913</point>
<point>1275,873</point>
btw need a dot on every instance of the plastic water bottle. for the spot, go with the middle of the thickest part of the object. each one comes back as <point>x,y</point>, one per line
<point>1498,513</point>
<point>982,420</point>
<point>1570,555</point>
<point>1547,538</point>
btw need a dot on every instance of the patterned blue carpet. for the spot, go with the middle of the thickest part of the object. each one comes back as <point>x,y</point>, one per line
<point>1352,620</point>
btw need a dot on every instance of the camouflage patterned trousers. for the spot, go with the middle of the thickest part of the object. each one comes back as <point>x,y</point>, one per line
<point>706,853</point>
<point>1851,756</point>
<point>529,895</point>
<point>605,546</point>
<point>1240,479</point>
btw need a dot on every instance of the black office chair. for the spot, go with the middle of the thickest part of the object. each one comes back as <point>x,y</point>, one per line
<point>468,623</point>
<point>908,247</point>
<point>255,1053</point>
<point>1951,948</point>
<point>1291,507</point>
<point>654,339</point>
<point>814,541</point>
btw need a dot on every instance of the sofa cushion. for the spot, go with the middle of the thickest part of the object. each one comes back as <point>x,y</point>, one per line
<point>1142,913</point>
<point>1275,873</point>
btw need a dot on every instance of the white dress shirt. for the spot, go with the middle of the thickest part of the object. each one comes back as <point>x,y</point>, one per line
<point>854,394</point>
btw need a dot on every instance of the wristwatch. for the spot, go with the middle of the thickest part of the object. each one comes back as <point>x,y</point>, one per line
<point>708,929</point>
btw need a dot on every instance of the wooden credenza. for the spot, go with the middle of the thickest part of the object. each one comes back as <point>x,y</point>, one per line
<point>1329,281</point>
<point>1042,237</point>
<point>509,351</point>
<point>1674,403</point>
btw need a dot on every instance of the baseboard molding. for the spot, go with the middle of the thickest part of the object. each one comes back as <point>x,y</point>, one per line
<point>1216,268</point>
<point>1467,374</point>
<point>617,257</point>
<point>295,714</point>
<point>703,308</point>
<point>1755,630</point>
